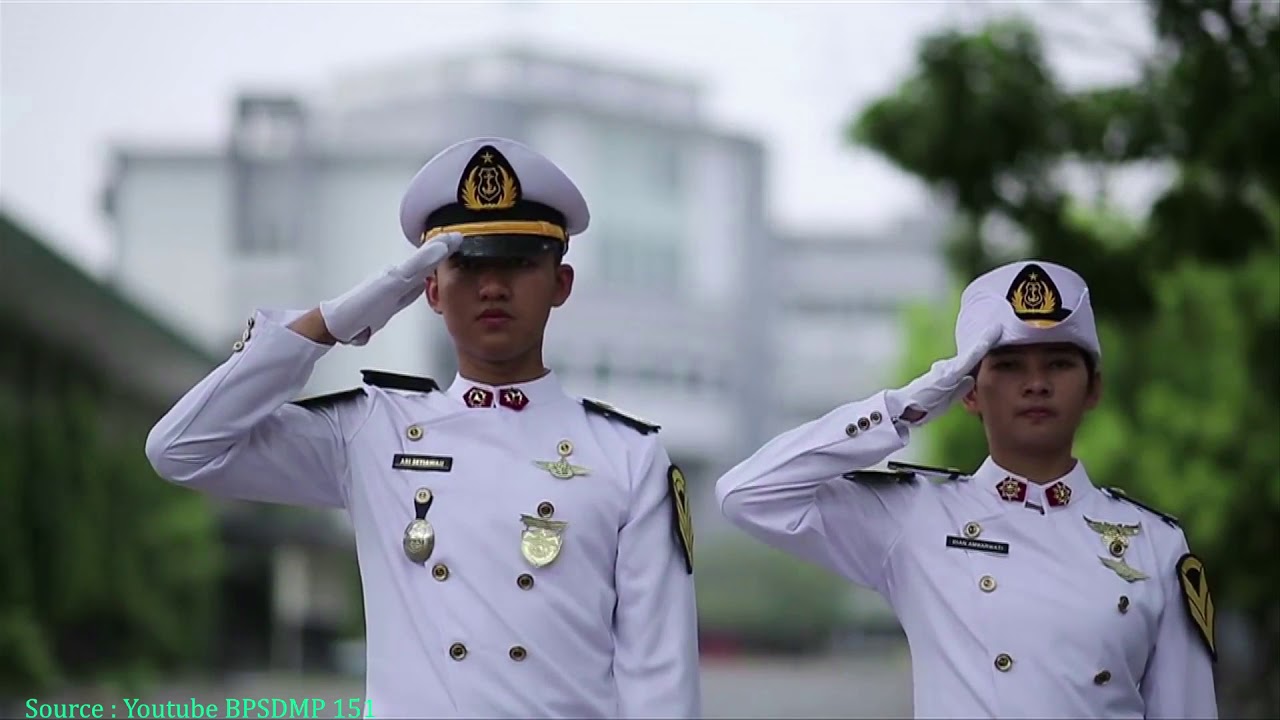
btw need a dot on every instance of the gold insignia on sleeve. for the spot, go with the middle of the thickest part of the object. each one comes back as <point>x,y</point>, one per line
<point>684,521</point>
<point>541,540</point>
<point>562,468</point>
<point>1195,590</point>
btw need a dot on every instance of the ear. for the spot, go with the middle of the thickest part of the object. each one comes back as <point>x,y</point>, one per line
<point>433,292</point>
<point>1094,395</point>
<point>970,398</point>
<point>564,284</point>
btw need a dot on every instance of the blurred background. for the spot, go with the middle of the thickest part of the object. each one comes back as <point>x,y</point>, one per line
<point>786,201</point>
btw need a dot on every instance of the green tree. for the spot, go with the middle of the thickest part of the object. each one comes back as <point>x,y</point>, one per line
<point>1188,296</point>
<point>107,574</point>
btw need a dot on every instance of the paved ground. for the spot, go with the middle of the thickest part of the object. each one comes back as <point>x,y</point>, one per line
<point>861,686</point>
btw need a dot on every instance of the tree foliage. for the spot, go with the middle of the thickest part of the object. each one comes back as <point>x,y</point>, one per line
<point>106,573</point>
<point>1187,295</point>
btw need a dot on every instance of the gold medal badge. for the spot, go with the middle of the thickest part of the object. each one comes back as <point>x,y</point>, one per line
<point>541,540</point>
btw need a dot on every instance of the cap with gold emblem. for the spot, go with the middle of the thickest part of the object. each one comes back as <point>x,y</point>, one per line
<point>1034,302</point>
<point>506,199</point>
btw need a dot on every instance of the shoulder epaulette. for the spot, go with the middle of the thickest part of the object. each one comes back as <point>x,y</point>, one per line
<point>600,407</point>
<point>394,381</point>
<point>879,477</point>
<point>936,474</point>
<point>1116,493</point>
<point>327,399</point>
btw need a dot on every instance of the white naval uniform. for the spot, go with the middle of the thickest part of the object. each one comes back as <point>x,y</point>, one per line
<point>608,629</point>
<point>1041,631</point>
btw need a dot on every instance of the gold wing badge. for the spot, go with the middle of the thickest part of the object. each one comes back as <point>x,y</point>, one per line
<point>1117,536</point>
<point>1195,590</point>
<point>562,468</point>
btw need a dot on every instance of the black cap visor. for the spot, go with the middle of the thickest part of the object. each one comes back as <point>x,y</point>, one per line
<point>507,246</point>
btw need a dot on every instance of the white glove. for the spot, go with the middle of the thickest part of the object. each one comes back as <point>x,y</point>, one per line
<point>365,309</point>
<point>945,382</point>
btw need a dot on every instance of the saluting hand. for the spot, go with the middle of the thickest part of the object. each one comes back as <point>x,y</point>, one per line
<point>928,396</point>
<point>355,316</point>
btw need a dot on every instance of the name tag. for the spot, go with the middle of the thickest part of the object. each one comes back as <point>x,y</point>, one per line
<point>422,463</point>
<point>995,548</point>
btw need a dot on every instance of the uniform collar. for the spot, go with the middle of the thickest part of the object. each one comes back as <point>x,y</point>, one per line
<point>1011,488</point>
<point>515,397</point>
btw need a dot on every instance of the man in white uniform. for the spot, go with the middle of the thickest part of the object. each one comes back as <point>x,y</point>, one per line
<point>524,553</point>
<point>1024,590</point>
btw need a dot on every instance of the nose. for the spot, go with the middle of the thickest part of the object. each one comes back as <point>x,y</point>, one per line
<point>1037,384</point>
<point>493,285</point>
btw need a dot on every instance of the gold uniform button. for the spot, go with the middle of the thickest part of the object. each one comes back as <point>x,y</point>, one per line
<point>546,509</point>
<point>440,571</point>
<point>850,429</point>
<point>518,653</point>
<point>1004,662</point>
<point>1123,605</point>
<point>457,651</point>
<point>1117,548</point>
<point>565,447</point>
<point>413,432</point>
<point>987,583</point>
<point>1102,678</point>
<point>972,530</point>
<point>525,581</point>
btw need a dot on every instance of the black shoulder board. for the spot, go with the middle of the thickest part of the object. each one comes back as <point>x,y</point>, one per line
<point>1116,493</point>
<point>603,408</point>
<point>329,399</point>
<point>878,477</point>
<point>936,474</point>
<point>392,381</point>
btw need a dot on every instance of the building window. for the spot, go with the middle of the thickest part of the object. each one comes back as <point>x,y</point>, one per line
<point>640,208</point>
<point>268,211</point>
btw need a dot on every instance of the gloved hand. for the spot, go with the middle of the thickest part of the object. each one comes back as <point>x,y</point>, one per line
<point>928,396</point>
<point>365,309</point>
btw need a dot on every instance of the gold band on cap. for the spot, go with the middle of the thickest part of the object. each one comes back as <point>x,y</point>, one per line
<point>501,227</point>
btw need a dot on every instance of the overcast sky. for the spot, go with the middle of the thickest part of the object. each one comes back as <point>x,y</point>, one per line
<point>75,78</point>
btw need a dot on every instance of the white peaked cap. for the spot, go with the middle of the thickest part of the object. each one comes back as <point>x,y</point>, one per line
<point>1034,301</point>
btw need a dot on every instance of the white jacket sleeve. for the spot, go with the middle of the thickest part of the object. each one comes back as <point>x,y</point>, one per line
<point>656,618</point>
<point>1178,682</point>
<point>235,435</point>
<point>791,496</point>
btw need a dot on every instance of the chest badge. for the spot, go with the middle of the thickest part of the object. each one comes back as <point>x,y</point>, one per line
<point>542,540</point>
<point>562,468</point>
<point>1116,536</point>
<point>419,536</point>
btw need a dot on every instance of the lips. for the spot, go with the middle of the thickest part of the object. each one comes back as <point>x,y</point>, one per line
<point>1037,413</point>
<point>495,315</point>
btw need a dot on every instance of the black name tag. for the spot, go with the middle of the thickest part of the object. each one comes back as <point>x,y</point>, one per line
<point>422,463</point>
<point>996,548</point>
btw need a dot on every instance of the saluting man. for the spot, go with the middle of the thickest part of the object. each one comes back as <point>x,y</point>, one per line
<point>1024,589</point>
<point>524,553</point>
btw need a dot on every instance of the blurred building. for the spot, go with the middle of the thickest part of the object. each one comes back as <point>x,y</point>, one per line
<point>671,313</point>
<point>840,331</point>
